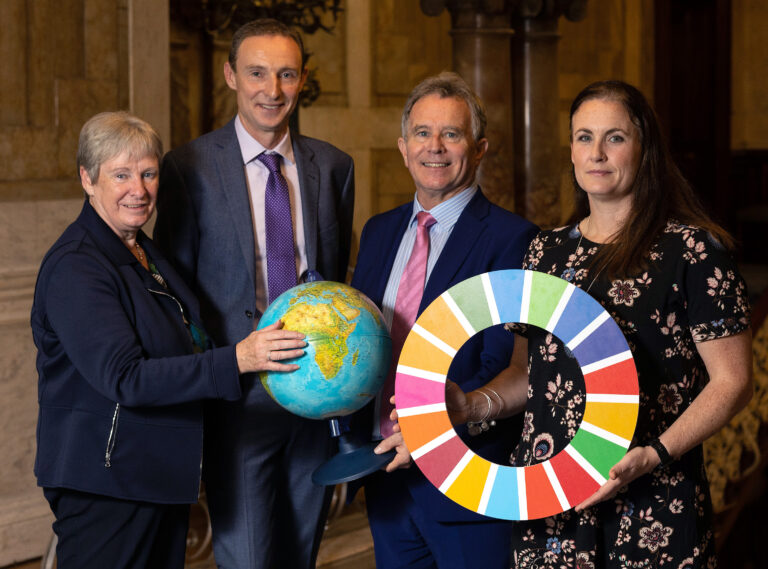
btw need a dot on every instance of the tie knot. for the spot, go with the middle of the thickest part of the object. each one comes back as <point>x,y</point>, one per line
<point>425,219</point>
<point>271,161</point>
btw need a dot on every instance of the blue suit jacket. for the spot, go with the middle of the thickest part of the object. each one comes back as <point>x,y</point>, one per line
<point>117,373</point>
<point>204,222</point>
<point>485,238</point>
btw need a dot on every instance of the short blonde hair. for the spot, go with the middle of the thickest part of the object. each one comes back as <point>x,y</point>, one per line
<point>112,133</point>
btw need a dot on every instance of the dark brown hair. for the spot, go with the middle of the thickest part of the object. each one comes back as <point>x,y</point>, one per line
<point>264,27</point>
<point>659,191</point>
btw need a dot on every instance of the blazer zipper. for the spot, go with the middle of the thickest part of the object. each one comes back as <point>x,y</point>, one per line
<point>112,437</point>
<point>186,322</point>
<point>116,415</point>
<point>181,308</point>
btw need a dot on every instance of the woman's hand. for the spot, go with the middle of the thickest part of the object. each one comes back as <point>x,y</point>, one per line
<point>729,364</point>
<point>456,403</point>
<point>263,350</point>
<point>638,461</point>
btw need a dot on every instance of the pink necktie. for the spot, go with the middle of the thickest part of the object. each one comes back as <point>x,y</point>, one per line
<point>409,294</point>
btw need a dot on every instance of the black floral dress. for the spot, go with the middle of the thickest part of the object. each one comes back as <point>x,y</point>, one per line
<point>690,293</point>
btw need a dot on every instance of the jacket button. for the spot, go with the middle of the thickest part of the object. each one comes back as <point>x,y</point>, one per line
<point>249,314</point>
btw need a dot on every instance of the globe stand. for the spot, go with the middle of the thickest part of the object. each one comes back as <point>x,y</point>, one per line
<point>354,460</point>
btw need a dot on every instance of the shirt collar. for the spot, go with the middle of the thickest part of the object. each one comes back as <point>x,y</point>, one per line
<point>250,148</point>
<point>446,213</point>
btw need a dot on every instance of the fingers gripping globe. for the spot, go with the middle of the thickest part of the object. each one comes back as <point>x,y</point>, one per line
<point>347,355</point>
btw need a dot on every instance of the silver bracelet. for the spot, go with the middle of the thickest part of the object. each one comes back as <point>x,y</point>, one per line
<point>475,428</point>
<point>501,401</point>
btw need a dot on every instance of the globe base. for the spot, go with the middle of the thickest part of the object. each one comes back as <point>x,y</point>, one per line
<point>354,460</point>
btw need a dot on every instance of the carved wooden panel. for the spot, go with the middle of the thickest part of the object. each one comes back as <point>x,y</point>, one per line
<point>328,61</point>
<point>749,83</point>
<point>407,47</point>
<point>13,76</point>
<point>392,182</point>
<point>186,86</point>
<point>224,98</point>
<point>614,41</point>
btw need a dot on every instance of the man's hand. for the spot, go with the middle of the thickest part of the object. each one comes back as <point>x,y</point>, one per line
<point>395,441</point>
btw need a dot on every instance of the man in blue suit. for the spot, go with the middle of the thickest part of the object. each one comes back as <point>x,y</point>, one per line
<point>442,144</point>
<point>213,223</point>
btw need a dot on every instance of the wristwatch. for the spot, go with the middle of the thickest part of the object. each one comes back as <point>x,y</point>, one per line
<point>662,451</point>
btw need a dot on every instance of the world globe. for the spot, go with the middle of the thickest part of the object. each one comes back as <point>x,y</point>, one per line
<point>347,355</point>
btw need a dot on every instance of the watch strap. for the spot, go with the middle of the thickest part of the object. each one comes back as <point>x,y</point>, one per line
<point>662,451</point>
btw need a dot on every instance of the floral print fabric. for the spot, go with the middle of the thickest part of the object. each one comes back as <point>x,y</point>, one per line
<point>691,292</point>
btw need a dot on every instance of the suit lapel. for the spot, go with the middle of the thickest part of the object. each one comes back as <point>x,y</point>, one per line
<point>464,237</point>
<point>309,187</point>
<point>234,185</point>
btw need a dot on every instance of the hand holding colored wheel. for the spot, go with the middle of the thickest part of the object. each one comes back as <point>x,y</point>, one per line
<point>586,329</point>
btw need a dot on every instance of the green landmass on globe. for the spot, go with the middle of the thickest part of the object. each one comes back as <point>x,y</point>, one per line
<point>347,355</point>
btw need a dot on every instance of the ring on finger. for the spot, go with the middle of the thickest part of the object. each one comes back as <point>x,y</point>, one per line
<point>269,356</point>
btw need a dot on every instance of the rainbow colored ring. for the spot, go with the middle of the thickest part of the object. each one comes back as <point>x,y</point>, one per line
<point>612,400</point>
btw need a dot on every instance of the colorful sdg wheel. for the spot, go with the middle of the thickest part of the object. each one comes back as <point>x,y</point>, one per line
<point>583,325</point>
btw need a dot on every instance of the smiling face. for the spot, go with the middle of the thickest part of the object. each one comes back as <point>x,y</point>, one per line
<point>125,192</point>
<point>267,79</point>
<point>439,149</point>
<point>605,150</point>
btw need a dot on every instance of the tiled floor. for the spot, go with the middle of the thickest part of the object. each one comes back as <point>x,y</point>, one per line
<point>347,544</point>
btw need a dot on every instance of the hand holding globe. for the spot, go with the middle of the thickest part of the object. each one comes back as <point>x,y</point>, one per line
<point>345,363</point>
<point>347,354</point>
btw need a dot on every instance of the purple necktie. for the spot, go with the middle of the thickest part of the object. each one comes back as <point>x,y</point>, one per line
<point>409,294</point>
<point>278,225</point>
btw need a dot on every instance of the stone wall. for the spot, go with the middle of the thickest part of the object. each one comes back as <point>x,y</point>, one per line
<point>64,61</point>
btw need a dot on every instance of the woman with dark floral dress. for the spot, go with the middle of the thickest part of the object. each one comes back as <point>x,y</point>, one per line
<point>642,246</point>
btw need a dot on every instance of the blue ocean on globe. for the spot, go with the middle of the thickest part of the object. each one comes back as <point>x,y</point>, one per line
<point>347,355</point>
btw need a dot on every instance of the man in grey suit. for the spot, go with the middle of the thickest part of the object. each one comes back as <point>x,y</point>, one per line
<point>214,223</point>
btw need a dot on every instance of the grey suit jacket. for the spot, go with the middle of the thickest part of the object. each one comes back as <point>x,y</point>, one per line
<point>205,228</point>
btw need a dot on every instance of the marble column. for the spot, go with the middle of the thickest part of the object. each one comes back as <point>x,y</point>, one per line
<point>482,35</point>
<point>536,129</point>
<point>507,50</point>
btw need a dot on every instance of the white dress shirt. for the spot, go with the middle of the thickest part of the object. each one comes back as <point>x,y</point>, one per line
<point>446,215</point>
<point>256,174</point>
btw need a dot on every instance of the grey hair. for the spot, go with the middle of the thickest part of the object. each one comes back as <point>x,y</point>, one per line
<point>107,135</point>
<point>447,84</point>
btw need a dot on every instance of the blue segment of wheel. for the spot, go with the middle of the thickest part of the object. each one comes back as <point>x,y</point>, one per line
<point>579,312</point>
<point>504,501</point>
<point>606,341</point>
<point>508,291</point>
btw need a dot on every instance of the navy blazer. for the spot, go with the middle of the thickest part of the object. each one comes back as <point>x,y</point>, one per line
<point>120,390</point>
<point>485,238</point>
<point>204,222</point>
